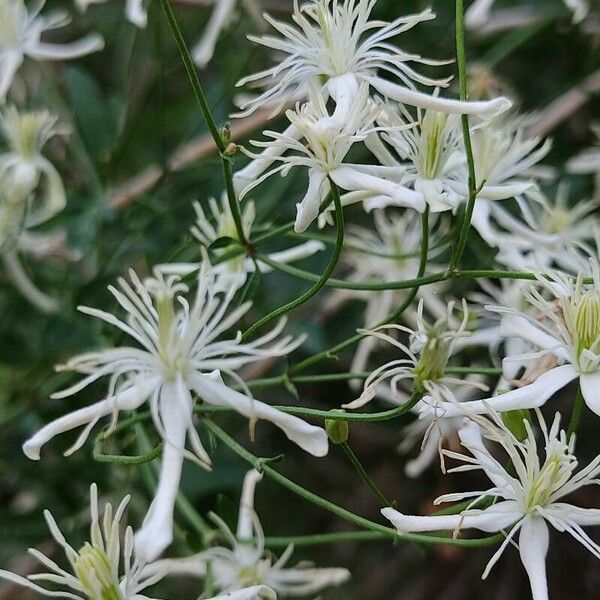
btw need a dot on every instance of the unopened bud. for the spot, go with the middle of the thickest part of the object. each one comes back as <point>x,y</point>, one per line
<point>230,150</point>
<point>337,430</point>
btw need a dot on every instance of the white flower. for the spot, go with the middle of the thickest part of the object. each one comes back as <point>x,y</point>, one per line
<point>550,234</point>
<point>323,154</point>
<point>96,566</point>
<point>431,155</point>
<point>245,562</point>
<point>566,329</point>
<point>336,45</point>
<point>430,347</point>
<point>588,161</point>
<point>20,37</point>
<point>389,252</point>
<point>234,271</point>
<point>31,192</point>
<point>526,501</point>
<point>179,353</point>
<point>479,12</point>
<point>504,157</point>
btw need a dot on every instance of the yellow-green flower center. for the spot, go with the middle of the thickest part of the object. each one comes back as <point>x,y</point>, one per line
<point>432,144</point>
<point>249,575</point>
<point>587,321</point>
<point>553,475</point>
<point>94,572</point>
<point>556,220</point>
<point>433,360</point>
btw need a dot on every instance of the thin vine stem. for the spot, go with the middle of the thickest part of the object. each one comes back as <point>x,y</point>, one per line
<point>321,280</point>
<point>363,474</point>
<point>259,464</point>
<point>216,134</point>
<point>461,60</point>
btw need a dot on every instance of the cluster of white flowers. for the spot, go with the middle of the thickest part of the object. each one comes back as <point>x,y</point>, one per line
<point>360,123</point>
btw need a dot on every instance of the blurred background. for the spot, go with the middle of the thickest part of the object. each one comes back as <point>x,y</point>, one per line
<point>136,159</point>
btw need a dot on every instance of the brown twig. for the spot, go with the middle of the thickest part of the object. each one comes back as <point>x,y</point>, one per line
<point>125,193</point>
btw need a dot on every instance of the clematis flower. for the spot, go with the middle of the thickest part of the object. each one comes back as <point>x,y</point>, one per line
<point>245,562</point>
<point>20,37</point>
<point>431,155</point>
<point>551,234</point>
<point>389,252</point>
<point>526,502</point>
<point>504,159</point>
<point>235,270</point>
<point>479,12</point>
<point>96,572</point>
<point>323,154</point>
<point>566,330</point>
<point>178,352</point>
<point>336,47</point>
<point>427,355</point>
<point>31,191</point>
<point>588,161</point>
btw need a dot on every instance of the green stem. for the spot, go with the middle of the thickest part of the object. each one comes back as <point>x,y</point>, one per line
<point>192,74</point>
<point>297,489</point>
<point>576,414</point>
<point>363,474</point>
<point>321,281</point>
<point>461,61</point>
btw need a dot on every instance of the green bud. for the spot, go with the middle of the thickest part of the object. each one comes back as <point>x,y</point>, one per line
<point>337,430</point>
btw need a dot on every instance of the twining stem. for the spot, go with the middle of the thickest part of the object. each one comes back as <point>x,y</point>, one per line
<point>192,74</point>
<point>461,61</point>
<point>576,414</point>
<point>394,316</point>
<point>364,475</point>
<point>321,281</point>
<point>297,489</point>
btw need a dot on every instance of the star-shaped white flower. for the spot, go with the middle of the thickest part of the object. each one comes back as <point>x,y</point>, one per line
<point>179,351</point>
<point>245,563</point>
<point>323,153</point>
<point>20,36</point>
<point>566,328</point>
<point>234,271</point>
<point>96,572</point>
<point>526,502</point>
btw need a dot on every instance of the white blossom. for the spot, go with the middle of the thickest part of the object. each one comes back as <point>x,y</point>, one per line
<point>323,153</point>
<point>104,568</point>
<point>245,562</point>
<point>20,36</point>
<point>565,330</point>
<point>31,192</point>
<point>426,357</point>
<point>179,352</point>
<point>234,271</point>
<point>527,499</point>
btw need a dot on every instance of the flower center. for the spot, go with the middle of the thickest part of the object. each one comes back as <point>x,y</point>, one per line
<point>94,572</point>
<point>556,220</point>
<point>434,358</point>
<point>587,322</point>
<point>431,144</point>
<point>250,575</point>
<point>553,475</point>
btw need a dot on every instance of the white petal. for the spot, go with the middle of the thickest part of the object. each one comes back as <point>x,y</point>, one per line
<point>301,582</point>
<point>246,515</point>
<point>156,532</point>
<point>308,437</point>
<point>308,208</point>
<point>533,395</point>
<point>477,14</point>
<point>86,45</point>
<point>136,13</point>
<point>533,547</point>
<point>400,93</point>
<point>203,51</point>
<point>10,61</point>
<point>590,388</point>
<point>495,518</point>
<point>130,399</point>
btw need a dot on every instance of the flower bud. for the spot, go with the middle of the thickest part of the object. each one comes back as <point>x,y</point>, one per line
<point>337,430</point>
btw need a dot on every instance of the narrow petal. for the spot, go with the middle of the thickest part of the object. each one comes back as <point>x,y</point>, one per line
<point>86,45</point>
<point>156,532</point>
<point>533,547</point>
<point>308,208</point>
<point>246,515</point>
<point>203,51</point>
<point>495,518</point>
<point>533,395</point>
<point>308,437</point>
<point>130,399</point>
